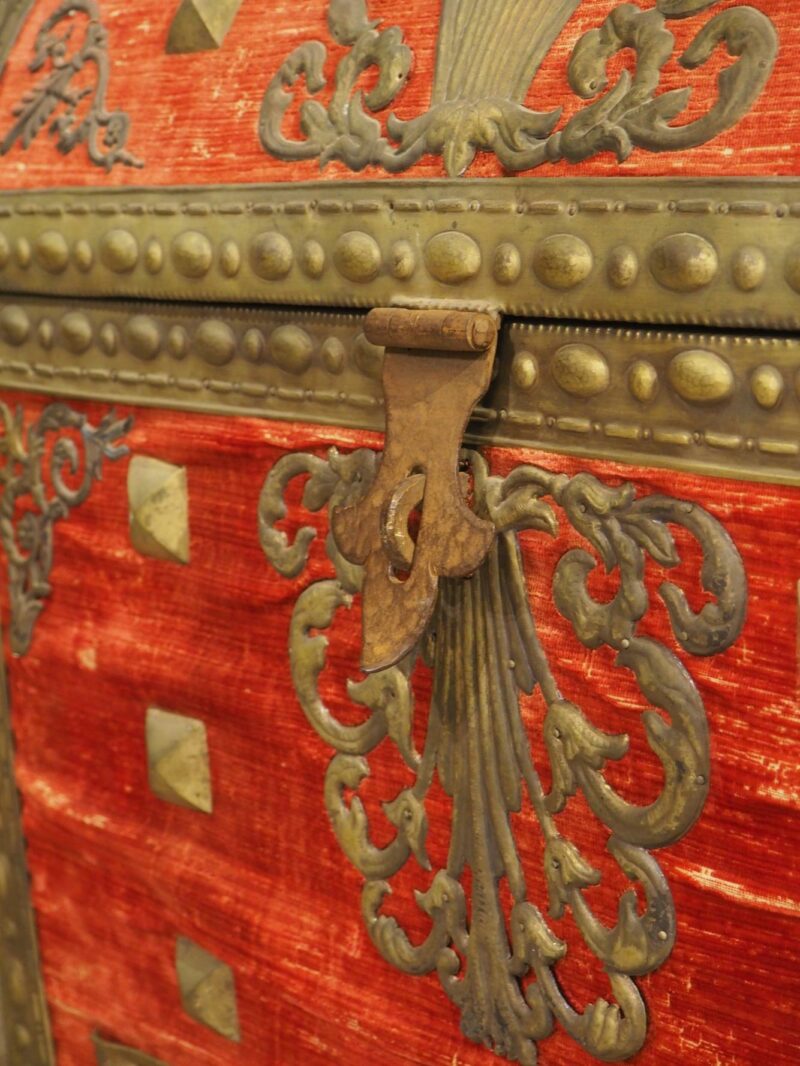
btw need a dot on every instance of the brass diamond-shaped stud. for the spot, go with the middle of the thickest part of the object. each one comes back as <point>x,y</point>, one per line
<point>208,989</point>
<point>158,498</point>
<point>201,25</point>
<point>117,1055</point>
<point>177,757</point>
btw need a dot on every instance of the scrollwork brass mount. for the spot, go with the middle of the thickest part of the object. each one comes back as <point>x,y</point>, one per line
<point>438,364</point>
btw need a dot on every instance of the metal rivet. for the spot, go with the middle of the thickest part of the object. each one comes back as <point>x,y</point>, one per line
<point>701,377</point>
<point>452,258</point>
<point>153,256</point>
<point>507,265</point>
<point>76,332</point>
<point>749,268</point>
<point>253,345</point>
<point>52,252</point>
<point>83,256</point>
<point>333,355</point>
<point>230,258</point>
<point>684,262</point>
<point>215,342</point>
<point>192,254</point>
<point>525,370</point>
<point>403,260</point>
<point>562,261</point>
<point>357,256</point>
<point>290,348</point>
<point>5,251</point>
<point>312,259</point>
<point>581,370</point>
<point>47,333</point>
<point>767,386</point>
<point>119,251</point>
<point>623,267</point>
<point>142,337</point>
<point>23,253</point>
<point>108,338</point>
<point>15,326</point>
<point>643,380</point>
<point>271,256</point>
<point>177,343</point>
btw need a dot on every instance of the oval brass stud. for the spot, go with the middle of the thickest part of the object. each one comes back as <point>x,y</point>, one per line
<point>142,337</point>
<point>230,258</point>
<point>253,345</point>
<point>507,265</point>
<point>23,253</point>
<point>333,355</point>
<point>5,251</point>
<point>643,380</point>
<point>403,260</point>
<point>291,348</point>
<point>108,338</point>
<point>153,256</point>
<point>357,256</point>
<point>271,256</point>
<point>177,343</point>
<point>368,356</point>
<point>525,370</point>
<point>192,254</point>
<point>581,370</point>
<point>15,326</point>
<point>76,332</point>
<point>47,334</point>
<point>684,262</point>
<point>312,259</point>
<point>214,342</point>
<point>452,257</point>
<point>119,251</point>
<point>701,377</point>
<point>792,269</point>
<point>562,261</point>
<point>749,268</point>
<point>83,256</point>
<point>52,252</point>
<point>767,386</point>
<point>622,267</point>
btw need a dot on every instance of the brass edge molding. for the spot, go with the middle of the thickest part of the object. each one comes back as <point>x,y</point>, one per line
<point>484,649</point>
<point>24,1025</point>
<point>723,253</point>
<point>620,393</point>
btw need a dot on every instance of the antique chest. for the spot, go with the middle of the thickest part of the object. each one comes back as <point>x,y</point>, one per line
<point>399,512</point>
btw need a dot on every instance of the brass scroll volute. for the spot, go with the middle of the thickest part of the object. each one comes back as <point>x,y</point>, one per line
<point>437,366</point>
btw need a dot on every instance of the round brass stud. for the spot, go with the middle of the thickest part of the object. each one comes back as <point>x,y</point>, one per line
<point>357,256</point>
<point>153,256</point>
<point>333,355</point>
<point>403,260</point>
<point>581,370</point>
<point>749,268</point>
<point>83,256</point>
<point>177,343</point>
<point>701,377</point>
<point>562,261</point>
<point>52,252</point>
<point>119,251</point>
<point>312,259</point>
<point>368,356</point>
<point>271,256</point>
<point>253,345</point>
<point>192,254</point>
<point>76,332</point>
<point>142,337</point>
<point>47,333</point>
<point>507,265</point>
<point>684,262</point>
<point>108,338</point>
<point>792,270</point>
<point>525,370</point>
<point>767,386</point>
<point>230,258</point>
<point>17,981</point>
<point>643,380</point>
<point>23,253</point>
<point>15,326</point>
<point>452,257</point>
<point>5,251</point>
<point>291,348</point>
<point>214,342</point>
<point>622,267</point>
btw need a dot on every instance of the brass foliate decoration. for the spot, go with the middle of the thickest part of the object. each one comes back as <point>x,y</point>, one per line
<point>71,41</point>
<point>477,102</point>
<point>44,475</point>
<point>484,649</point>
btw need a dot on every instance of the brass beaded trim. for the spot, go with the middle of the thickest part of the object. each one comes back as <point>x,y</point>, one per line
<point>705,253</point>
<point>722,405</point>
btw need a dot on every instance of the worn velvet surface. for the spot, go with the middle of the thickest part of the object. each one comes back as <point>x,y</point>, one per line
<point>118,874</point>
<point>194,118</point>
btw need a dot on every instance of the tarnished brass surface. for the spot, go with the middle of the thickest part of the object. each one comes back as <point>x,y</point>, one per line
<point>201,25</point>
<point>477,104</point>
<point>178,761</point>
<point>655,251</point>
<point>116,1055</point>
<point>208,989</point>
<point>27,533</point>
<point>12,14</point>
<point>24,1025</point>
<point>437,366</point>
<point>484,649</point>
<point>624,393</point>
<point>104,133</point>
<point>158,496</point>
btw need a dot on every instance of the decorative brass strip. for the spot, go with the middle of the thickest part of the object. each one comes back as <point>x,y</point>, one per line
<point>483,646</point>
<point>24,1026</point>
<point>700,252</point>
<point>627,394</point>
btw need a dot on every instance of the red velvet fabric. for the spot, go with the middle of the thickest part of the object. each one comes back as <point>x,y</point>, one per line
<point>194,118</point>
<point>118,874</point>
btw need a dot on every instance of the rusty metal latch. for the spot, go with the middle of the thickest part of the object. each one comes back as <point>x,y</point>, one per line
<point>438,364</point>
